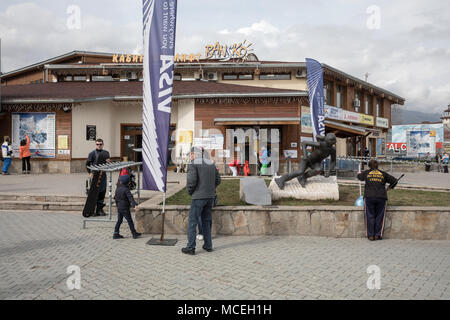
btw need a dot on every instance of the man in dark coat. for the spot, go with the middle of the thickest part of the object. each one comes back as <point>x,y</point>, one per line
<point>375,198</point>
<point>94,158</point>
<point>202,180</point>
<point>124,200</point>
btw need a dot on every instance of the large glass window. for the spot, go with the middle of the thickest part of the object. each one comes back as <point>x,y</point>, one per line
<point>379,108</point>
<point>327,85</point>
<point>340,96</point>
<point>368,104</point>
<point>357,101</point>
<point>275,76</point>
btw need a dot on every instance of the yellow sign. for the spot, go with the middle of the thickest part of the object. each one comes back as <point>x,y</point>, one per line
<point>63,142</point>
<point>187,57</point>
<point>432,133</point>
<point>365,119</point>
<point>128,58</point>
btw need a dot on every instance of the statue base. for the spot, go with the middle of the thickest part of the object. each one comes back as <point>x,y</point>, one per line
<point>317,188</point>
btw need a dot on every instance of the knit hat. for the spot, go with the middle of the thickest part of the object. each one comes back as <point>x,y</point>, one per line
<point>124,179</point>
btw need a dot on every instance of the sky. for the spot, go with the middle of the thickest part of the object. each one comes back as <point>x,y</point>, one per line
<point>404,45</point>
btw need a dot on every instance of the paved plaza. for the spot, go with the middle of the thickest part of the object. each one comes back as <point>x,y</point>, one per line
<point>36,248</point>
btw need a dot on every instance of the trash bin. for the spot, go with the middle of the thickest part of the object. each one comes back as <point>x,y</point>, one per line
<point>427,167</point>
<point>445,169</point>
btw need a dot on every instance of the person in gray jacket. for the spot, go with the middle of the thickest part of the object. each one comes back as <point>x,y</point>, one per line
<point>202,180</point>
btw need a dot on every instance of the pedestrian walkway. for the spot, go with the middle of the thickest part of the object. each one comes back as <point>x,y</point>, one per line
<point>37,248</point>
<point>75,185</point>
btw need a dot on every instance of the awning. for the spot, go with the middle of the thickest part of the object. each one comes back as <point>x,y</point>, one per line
<point>256,121</point>
<point>342,130</point>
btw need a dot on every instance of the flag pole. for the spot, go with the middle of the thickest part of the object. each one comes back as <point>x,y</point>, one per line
<point>163,217</point>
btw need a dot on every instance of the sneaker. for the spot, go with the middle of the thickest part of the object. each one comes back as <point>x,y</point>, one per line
<point>206,249</point>
<point>200,237</point>
<point>28,172</point>
<point>371,238</point>
<point>117,236</point>
<point>188,251</point>
<point>378,238</point>
<point>137,235</point>
<point>24,172</point>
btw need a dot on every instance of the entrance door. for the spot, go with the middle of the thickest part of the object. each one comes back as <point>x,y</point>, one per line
<point>130,138</point>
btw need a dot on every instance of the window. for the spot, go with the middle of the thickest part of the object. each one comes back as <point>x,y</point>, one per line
<point>230,77</point>
<point>357,102</point>
<point>379,108</point>
<point>237,76</point>
<point>246,77</point>
<point>275,76</point>
<point>102,78</point>
<point>327,92</point>
<point>177,77</point>
<point>340,96</point>
<point>368,104</point>
<point>79,78</point>
<point>68,78</point>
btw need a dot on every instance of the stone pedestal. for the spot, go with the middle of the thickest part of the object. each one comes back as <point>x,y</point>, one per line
<point>317,188</point>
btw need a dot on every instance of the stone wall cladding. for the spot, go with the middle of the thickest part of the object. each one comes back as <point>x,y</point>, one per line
<point>424,223</point>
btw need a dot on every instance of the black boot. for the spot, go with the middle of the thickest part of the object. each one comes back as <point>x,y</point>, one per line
<point>137,235</point>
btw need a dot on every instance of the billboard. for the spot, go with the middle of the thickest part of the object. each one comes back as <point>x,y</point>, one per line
<point>420,143</point>
<point>40,128</point>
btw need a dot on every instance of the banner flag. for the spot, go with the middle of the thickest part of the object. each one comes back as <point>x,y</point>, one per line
<point>316,98</point>
<point>159,48</point>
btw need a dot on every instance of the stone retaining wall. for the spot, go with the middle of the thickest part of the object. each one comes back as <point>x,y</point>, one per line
<point>328,221</point>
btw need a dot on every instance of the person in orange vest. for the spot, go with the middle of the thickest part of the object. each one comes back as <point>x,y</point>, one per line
<point>25,155</point>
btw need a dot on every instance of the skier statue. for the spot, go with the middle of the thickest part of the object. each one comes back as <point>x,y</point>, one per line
<point>324,147</point>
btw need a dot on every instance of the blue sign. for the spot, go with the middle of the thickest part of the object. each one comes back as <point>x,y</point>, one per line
<point>159,47</point>
<point>316,98</point>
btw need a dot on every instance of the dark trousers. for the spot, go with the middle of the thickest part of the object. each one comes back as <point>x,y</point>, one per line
<point>127,215</point>
<point>375,211</point>
<point>200,212</point>
<point>102,193</point>
<point>26,165</point>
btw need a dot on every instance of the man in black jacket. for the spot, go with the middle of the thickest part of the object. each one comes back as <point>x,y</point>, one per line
<point>375,198</point>
<point>124,200</point>
<point>202,180</point>
<point>95,159</point>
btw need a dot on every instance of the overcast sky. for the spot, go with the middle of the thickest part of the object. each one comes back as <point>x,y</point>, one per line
<point>406,50</point>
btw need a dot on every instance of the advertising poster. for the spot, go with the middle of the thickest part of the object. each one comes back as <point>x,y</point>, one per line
<point>40,128</point>
<point>306,120</point>
<point>381,147</point>
<point>420,143</point>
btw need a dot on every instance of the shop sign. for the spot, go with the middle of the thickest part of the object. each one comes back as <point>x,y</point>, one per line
<point>128,58</point>
<point>396,146</point>
<point>306,120</point>
<point>334,113</point>
<point>365,119</point>
<point>382,122</point>
<point>351,116</point>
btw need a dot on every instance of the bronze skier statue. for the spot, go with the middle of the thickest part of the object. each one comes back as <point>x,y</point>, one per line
<point>324,147</point>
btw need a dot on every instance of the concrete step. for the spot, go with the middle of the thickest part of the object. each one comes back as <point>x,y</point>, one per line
<point>51,198</point>
<point>41,205</point>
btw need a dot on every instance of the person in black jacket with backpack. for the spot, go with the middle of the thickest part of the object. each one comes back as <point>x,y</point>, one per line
<point>375,198</point>
<point>124,200</point>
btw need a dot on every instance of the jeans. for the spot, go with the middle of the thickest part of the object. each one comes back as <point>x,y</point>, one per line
<point>127,215</point>
<point>200,212</point>
<point>6,164</point>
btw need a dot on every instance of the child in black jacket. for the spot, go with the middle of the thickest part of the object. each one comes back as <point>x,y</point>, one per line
<point>124,200</point>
